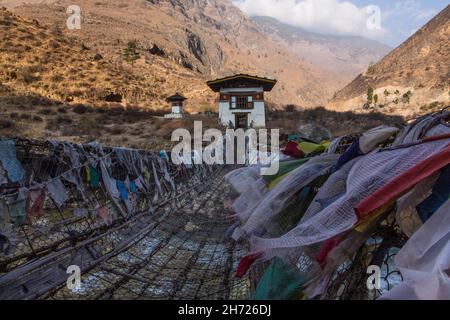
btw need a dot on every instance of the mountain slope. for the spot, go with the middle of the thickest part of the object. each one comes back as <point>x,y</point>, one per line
<point>344,55</point>
<point>412,79</point>
<point>38,60</point>
<point>184,39</point>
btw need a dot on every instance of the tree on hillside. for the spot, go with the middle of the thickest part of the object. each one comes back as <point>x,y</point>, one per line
<point>371,69</point>
<point>370,95</point>
<point>130,53</point>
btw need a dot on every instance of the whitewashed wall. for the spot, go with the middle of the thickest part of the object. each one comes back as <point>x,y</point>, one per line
<point>176,110</point>
<point>257,115</point>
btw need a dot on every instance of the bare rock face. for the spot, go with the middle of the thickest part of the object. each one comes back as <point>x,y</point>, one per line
<point>314,132</point>
<point>196,46</point>
<point>155,50</point>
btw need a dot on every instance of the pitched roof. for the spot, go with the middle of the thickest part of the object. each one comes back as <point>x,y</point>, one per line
<point>176,97</point>
<point>237,79</point>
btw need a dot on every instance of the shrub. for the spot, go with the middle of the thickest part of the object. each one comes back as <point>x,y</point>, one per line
<point>407,97</point>
<point>116,130</point>
<point>100,110</point>
<point>47,111</point>
<point>6,124</point>
<point>371,69</point>
<point>81,109</point>
<point>64,120</point>
<point>14,115</point>
<point>290,108</point>
<point>370,95</point>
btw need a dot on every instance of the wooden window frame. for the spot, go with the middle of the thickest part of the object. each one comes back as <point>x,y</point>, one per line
<point>244,101</point>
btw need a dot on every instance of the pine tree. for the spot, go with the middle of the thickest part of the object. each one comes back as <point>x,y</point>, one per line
<point>130,53</point>
<point>369,95</point>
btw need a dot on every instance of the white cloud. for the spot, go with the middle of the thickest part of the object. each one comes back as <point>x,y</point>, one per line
<point>333,17</point>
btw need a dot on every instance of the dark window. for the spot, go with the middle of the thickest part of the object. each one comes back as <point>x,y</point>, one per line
<point>241,102</point>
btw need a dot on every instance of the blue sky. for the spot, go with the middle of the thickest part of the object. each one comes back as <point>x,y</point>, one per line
<point>399,19</point>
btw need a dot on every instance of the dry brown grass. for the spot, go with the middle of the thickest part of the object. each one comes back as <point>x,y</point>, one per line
<point>43,61</point>
<point>339,123</point>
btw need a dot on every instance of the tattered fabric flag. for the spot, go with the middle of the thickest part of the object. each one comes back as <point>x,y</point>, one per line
<point>57,192</point>
<point>124,195</point>
<point>9,161</point>
<point>167,177</point>
<point>36,201</point>
<point>17,206</point>
<point>404,182</point>
<point>146,173</point>
<point>141,184</point>
<point>3,178</point>
<point>163,154</point>
<point>440,194</point>
<point>4,215</point>
<point>133,187</point>
<point>424,261</point>
<point>127,183</point>
<point>155,174</point>
<point>111,187</point>
<point>81,212</point>
<point>372,138</point>
<point>279,282</point>
<point>104,214</point>
<point>94,177</point>
<point>74,177</point>
<point>108,182</point>
<point>246,262</point>
<point>123,191</point>
<point>369,187</point>
<point>293,150</point>
<point>87,174</point>
<point>327,246</point>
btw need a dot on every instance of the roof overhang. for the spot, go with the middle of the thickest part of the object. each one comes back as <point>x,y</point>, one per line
<point>176,97</point>
<point>241,81</point>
